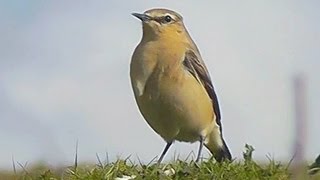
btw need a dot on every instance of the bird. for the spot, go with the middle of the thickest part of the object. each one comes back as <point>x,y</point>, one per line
<point>172,86</point>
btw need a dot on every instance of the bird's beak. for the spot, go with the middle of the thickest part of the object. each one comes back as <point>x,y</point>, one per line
<point>142,17</point>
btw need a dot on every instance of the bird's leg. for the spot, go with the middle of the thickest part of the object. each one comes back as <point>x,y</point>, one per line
<point>200,149</point>
<point>164,151</point>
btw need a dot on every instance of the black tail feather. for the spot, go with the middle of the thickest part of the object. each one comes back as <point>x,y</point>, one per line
<point>222,153</point>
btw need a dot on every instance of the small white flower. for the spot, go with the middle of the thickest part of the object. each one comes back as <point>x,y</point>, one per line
<point>124,177</point>
<point>169,172</point>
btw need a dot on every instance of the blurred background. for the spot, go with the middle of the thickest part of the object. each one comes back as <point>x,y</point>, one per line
<point>64,76</point>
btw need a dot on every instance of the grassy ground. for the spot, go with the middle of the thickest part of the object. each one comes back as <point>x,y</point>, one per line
<point>207,169</point>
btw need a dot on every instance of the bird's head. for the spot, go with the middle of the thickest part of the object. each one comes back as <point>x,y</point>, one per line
<point>161,23</point>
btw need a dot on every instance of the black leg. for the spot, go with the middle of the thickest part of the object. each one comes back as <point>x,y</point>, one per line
<point>164,152</point>
<point>200,149</point>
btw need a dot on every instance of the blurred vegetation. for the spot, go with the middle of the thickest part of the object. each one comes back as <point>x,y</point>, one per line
<point>125,169</point>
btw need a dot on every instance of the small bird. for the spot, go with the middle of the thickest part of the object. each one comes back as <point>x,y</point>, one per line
<point>172,86</point>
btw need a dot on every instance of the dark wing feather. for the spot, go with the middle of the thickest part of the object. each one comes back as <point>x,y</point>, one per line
<point>198,69</point>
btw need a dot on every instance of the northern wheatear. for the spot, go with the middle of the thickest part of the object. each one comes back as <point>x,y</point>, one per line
<point>172,86</point>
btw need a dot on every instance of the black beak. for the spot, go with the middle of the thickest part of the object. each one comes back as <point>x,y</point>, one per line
<point>142,17</point>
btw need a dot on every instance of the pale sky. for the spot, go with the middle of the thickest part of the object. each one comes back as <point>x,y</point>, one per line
<point>64,76</point>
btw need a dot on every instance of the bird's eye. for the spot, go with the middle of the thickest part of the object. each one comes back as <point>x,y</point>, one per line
<point>167,19</point>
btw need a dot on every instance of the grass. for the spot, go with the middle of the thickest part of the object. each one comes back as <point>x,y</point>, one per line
<point>124,169</point>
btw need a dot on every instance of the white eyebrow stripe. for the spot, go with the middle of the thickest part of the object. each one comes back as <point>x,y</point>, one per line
<point>172,16</point>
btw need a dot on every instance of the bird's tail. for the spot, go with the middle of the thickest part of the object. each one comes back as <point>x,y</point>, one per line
<point>218,147</point>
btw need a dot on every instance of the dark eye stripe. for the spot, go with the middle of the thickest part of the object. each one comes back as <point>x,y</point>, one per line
<point>163,19</point>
